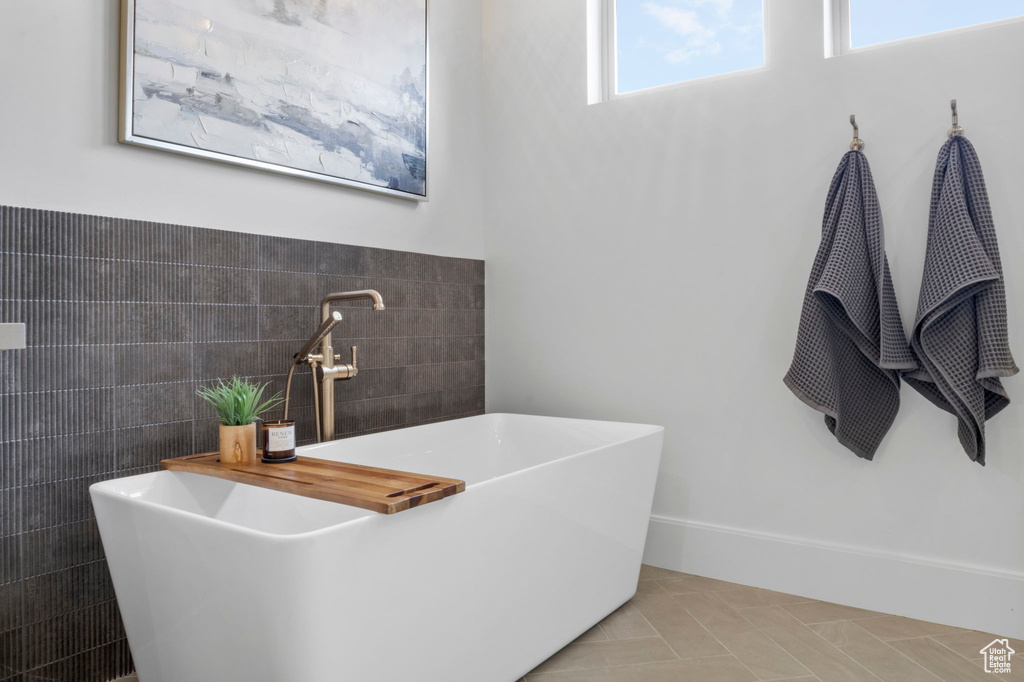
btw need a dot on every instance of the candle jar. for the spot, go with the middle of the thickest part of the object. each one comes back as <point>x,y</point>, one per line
<point>279,440</point>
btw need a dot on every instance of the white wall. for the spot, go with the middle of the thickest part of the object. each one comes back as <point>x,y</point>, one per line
<point>58,126</point>
<point>646,262</point>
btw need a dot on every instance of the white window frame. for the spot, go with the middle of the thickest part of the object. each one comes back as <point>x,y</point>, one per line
<point>838,33</point>
<point>602,66</point>
<point>603,63</point>
<point>839,30</point>
<point>610,53</point>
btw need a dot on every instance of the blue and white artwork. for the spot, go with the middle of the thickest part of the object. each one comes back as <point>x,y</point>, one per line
<point>333,89</point>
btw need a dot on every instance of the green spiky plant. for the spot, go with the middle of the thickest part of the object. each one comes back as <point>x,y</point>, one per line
<point>239,402</point>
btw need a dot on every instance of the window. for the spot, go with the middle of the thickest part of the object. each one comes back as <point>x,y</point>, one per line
<point>659,42</point>
<point>636,45</point>
<point>860,23</point>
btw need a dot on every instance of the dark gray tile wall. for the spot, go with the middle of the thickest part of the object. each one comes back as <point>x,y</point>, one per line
<point>125,320</point>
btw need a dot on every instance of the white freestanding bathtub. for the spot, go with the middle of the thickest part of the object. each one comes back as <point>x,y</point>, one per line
<point>224,582</point>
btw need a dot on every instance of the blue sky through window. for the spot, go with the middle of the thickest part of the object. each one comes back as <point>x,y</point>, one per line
<point>667,41</point>
<point>879,21</point>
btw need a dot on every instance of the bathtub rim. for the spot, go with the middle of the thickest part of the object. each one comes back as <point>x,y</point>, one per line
<point>104,488</point>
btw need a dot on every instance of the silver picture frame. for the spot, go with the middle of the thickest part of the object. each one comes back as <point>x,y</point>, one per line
<point>126,135</point>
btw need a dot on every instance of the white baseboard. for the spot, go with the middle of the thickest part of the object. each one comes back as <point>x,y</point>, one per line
<point>965,596</point>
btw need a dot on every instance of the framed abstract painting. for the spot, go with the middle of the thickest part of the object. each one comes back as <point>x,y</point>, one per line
<point>329,90</point>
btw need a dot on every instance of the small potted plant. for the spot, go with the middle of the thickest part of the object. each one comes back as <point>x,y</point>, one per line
<point>238,403</point>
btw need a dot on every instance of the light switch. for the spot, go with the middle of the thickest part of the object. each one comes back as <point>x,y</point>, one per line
<point>12,335</point>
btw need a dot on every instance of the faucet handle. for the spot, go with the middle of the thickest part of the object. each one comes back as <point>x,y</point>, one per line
<point>352,369</point>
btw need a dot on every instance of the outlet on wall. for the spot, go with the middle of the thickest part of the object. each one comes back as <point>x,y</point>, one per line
<point>12,335</point>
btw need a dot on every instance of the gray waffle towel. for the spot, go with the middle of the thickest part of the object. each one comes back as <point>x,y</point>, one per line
<point>851,341</point>
<point>960,336</point>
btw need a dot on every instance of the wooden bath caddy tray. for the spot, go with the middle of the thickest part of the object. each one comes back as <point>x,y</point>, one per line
<point>380,490</point>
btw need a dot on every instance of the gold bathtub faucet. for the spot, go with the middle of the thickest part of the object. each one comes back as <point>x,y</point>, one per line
<point>325,371</point>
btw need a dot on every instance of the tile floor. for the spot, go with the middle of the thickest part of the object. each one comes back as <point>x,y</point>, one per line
<point>684,628</point>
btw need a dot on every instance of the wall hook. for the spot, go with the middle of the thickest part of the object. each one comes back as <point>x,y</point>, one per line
<point>857,144</point>
<point>956,129</point>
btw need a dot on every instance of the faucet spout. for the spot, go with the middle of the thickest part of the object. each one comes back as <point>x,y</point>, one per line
<point>369,294</point>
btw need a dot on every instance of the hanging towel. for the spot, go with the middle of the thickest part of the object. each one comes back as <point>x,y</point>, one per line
<point>851,344</point>
<point>960,337</point>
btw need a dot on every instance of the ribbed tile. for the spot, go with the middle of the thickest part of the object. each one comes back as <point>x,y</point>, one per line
<point>59,278</point>
<point>71,633</point>
<point>283,254</point>
<point>57,412</point>
<point>80,367</point>
<point>464,374</point>
<point>144,446</point>
<point>139,240</point>
<point>238,323</point>
<point>423,378</point>
<point>59,458</point>
<point>380,383</point>
<point>53,594</point>
<point>461,348</point>
<point>152,363</point>
<point>10,565</point>
<point>288,288</point>
<point>64,323</point>
<point>12,647</point>
<point>227,359</point>
<point>24,230</point>
<point>295,323</point>
<point>229,249</point>
<point>341,259</point>
<point>139,315</point>
<point>154,403</point>
<point>103,663</point>
<point>464,400</point>
<point>155,282</point>
<point>75,544</point>
<point>50,504</point>
<point>226,285</point>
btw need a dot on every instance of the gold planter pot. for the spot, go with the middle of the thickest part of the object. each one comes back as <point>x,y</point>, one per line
<point>238,444</point>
